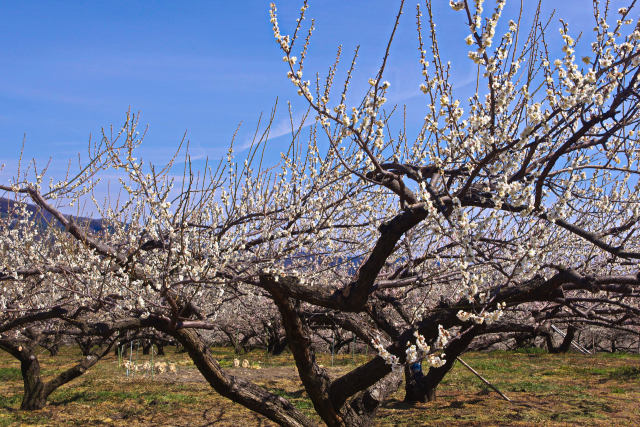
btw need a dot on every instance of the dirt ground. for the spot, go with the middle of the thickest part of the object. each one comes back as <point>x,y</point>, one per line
<point>545,389</point>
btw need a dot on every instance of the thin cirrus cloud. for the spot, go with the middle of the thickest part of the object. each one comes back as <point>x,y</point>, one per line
<point>67,69</point>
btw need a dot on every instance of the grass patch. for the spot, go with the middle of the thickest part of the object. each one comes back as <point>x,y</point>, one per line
<point>619,355</point>
<point>530,387</point>
<point>9,401</point>
<point>625,373</point>
<point>298,398</point>
<point>547,389</point>
<point>494,366</point>
<point>531,350</point>
<point>9,374</point>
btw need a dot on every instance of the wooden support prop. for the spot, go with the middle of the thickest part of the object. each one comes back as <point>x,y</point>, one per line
<point>578,347</point>
<point>483,380</point>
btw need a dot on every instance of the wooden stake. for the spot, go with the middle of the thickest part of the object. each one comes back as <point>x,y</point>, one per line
<point>483,380</point>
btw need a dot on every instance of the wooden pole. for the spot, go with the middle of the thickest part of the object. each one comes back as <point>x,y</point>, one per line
<point>483,380</point>
<point>130,357</point>
<point>353,349</point>
<point>333,342</point>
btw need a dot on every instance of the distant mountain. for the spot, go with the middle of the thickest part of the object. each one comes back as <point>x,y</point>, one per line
<point>45,219</point>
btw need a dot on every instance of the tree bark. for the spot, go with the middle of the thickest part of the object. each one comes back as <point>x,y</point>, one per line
<point>276,347</point>
<point>237,389</point>
<point>413,390</point>
<point>146,347</point>
<point>33,397</point>
<point>565,346</point>
<point>362,408</point>
<point>315,379</point>
<point>366,403</point>
<point>53,350</point>
<point>424,389</point>
<point>85,345</point>
<point>36,391</point>
<point>234,341</point>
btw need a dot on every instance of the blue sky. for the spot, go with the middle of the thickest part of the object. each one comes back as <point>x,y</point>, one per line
<point>67,68</point>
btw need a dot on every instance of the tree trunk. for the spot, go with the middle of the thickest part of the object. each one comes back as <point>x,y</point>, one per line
<point>365,404</point>
<point>34,397</point>
<point>434,377</point>
<point>276,342</point>
<point>36,391</point>
<point>85,345</point>
<point>234,341</point>
<point>566,342</point>
<point>277,346</point>
<point>237,389</point>
<point>315,379</point>
<point>425,389</point>
<point>418,389</point>
<point>413,388</point>
<point>53,350</point>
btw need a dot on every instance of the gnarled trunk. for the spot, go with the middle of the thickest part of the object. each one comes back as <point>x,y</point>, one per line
<point>36,391</point>
<point>237,389</point>
<point>362,408</point>
<point>413,387</point>
<point>423,389</point>
<point>34,396</point>
<point>366,404</point>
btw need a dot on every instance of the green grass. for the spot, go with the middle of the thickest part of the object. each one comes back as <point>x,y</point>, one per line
<point>548,389</point>
<point>298,398</point>
<point>619,355</point>
<point>9,374</point>
<point>10,400</point>
<point>531,350</point>
<point>625,373</point>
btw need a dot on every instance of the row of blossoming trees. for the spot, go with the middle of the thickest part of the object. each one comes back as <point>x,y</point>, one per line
<point>505,211</point>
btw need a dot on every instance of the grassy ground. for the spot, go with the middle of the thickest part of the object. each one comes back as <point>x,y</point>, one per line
<point>545,389</point>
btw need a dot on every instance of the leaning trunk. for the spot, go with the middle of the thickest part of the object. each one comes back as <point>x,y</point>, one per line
<point>565,346</point>
<point>34,390</point>
<point>237,389</point>
<point>568,339</point>
<point>34,396</point>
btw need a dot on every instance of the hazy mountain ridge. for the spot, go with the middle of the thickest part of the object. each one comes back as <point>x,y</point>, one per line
<point>45,219</point>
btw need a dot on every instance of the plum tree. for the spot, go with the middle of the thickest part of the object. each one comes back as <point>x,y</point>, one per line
<point>513,208</point>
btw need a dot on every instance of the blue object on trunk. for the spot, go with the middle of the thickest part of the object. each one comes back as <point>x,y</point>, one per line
<point>416,370</point>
